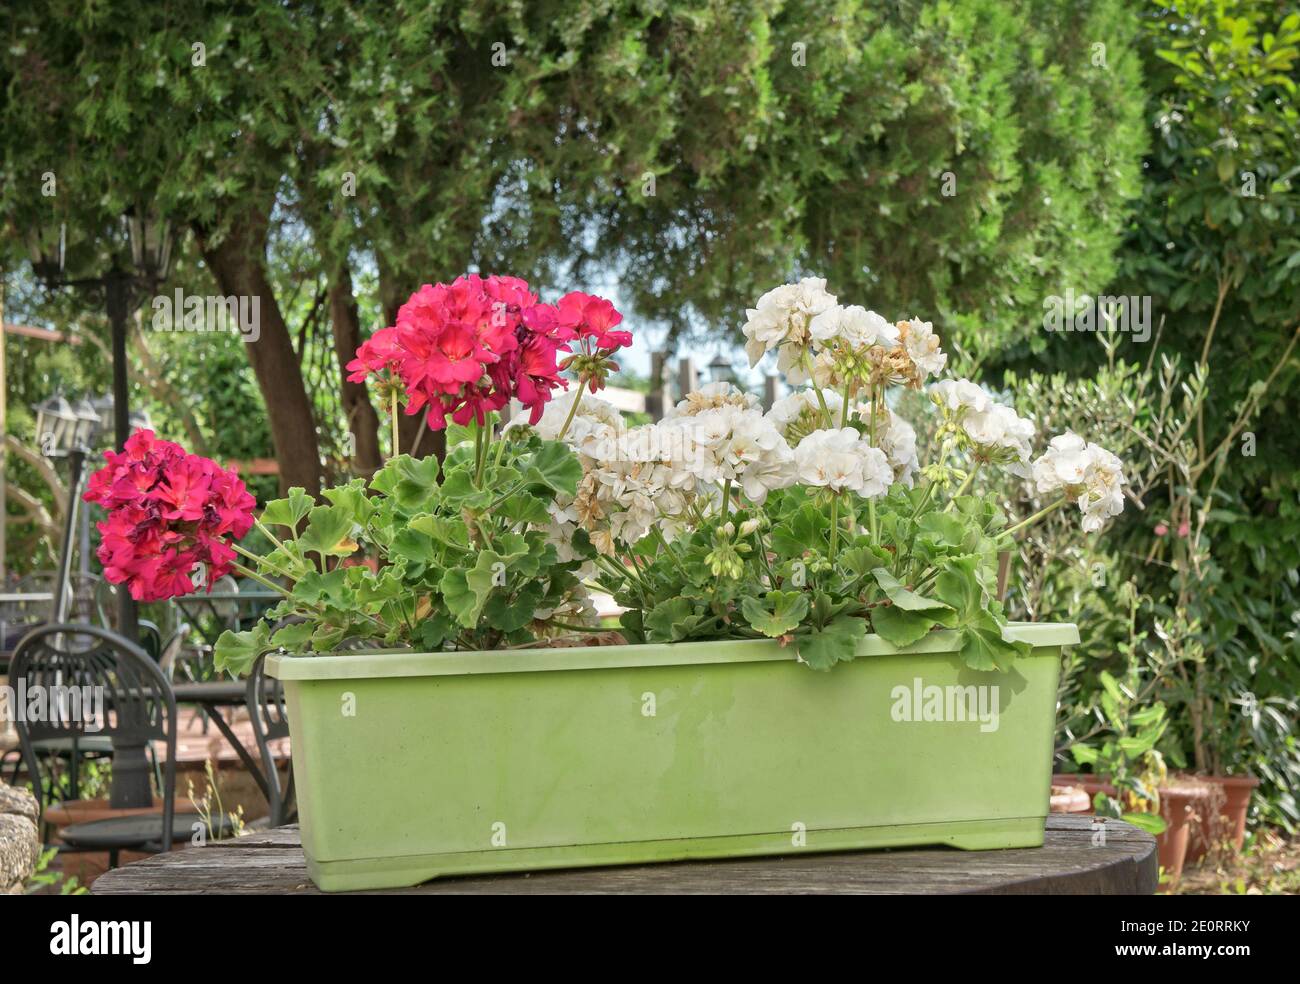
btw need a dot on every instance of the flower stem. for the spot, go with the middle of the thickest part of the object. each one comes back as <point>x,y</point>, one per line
<point>573,410</point>
<point>259,579</point>
<point>1034,518</point>
<point>826,410</point>
<point>835,524</point>
<point>392,412</point>
<point>262,560</point>
<point>871,428</point>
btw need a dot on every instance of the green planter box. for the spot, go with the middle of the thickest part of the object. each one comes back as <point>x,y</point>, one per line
<point>415,765</point>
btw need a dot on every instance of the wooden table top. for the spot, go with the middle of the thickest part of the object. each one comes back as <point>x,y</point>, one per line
<point>1074,860</point>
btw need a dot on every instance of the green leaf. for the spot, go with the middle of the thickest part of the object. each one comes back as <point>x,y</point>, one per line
<point>903,597</point>
<point>633,628</point>
<point>411,482</point>
<point>329,532</point>
<point>464,600</point>
<point>672,620</point>
<point>837,642</point>
<point>806,530</point>
<point>780,612</point>
<point>446,531</point>
<point>899,626</point>
<point>435,630</point>
<point>943,528</point>
<point>288,512</point>
<point>353,499</point>
<point>983,647</point>
<point>292,638</point>
<point>459,490</point>
<point>236,652</point>
<point>1149,822</point>
<point>1084,754</point>
<point>509,614</point>
<point>863,558</point>
<point>524,508</point>
<point>553,465</point>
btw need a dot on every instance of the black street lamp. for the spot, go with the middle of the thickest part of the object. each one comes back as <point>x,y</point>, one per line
<point>149,241</point>
<point>721,369</point>
<point>66,430</point>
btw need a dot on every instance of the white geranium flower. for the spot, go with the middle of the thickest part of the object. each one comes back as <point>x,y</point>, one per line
<point>596,419</point>
<point>731,444</point>
<point>633,484</point>
<point>841,460</point>
<point>782,317</point>
<point>853,325</point>
<point>960,395</point>
<point>897,438</point>
<point>802,411</point>
<point>1088,474</point>
<point>1001,435</point>
<point>922,346</point>
<point>709,397</point>
<point>995,432</point>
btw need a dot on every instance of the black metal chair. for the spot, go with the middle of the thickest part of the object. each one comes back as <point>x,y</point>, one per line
<point>137,709</point>
<point>264,696</point>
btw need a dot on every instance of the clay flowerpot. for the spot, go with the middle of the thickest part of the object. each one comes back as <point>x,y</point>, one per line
<point>86,866</point>
<point>1183,805</point>
<point>1090,784</point>
<point>1070,799</point>
<point>1226,819</point>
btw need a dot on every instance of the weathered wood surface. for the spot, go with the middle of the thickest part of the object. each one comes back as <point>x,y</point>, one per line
<point>1068,863</point>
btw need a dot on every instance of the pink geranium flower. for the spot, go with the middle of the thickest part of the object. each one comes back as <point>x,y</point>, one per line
<point>464,349</point>
<point>168,511</point>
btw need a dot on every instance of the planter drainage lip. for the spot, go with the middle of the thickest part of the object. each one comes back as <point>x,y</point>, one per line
<point>405,663</point>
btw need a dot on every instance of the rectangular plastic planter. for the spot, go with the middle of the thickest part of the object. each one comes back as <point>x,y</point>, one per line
<point>414,765</point>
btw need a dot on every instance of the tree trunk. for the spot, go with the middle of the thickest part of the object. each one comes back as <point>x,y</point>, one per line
<point>363,423</point>
<point>238,263</point>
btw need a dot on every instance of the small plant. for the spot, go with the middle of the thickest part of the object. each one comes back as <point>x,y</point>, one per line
<point>43,878</point>
<point>211,810</point>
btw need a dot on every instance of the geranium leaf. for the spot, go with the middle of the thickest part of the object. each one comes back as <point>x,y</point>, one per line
<point>329,532</point>
<point>778,614</point>
<point>236,652</point>
<point>805,530</point>
<point>553,465</point>
<point>289,511</point>
<point>900,627</point>
<point>672,620</point>
<point>837,642</point>
<point>903,597</point>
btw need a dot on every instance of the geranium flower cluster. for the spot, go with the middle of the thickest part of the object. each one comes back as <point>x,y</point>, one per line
<point>465,349</point>
<point>995,433</point>
<point>169,515</point>
<point>717,443</point>
<point>843,347</point>
<point>1089,475</point>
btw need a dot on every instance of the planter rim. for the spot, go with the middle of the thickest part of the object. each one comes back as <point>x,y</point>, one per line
<point>408,663</point>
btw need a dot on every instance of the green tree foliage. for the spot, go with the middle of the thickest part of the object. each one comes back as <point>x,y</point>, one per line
<point>947,157</point>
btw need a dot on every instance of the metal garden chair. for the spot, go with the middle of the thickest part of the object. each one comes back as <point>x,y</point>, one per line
<point>137,709</point>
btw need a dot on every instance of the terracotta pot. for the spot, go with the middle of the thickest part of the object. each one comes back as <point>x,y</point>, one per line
<point>1183,805</point>
<point>66,813</point>
<point>1226,820</point>
<point>1070,799</point>
<point>86,866</point>
<point>1089,783</point>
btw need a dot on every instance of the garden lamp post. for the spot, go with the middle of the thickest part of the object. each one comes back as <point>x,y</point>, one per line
<point>66,430</point>
<point>721,370</point>
<point>122,287</point>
